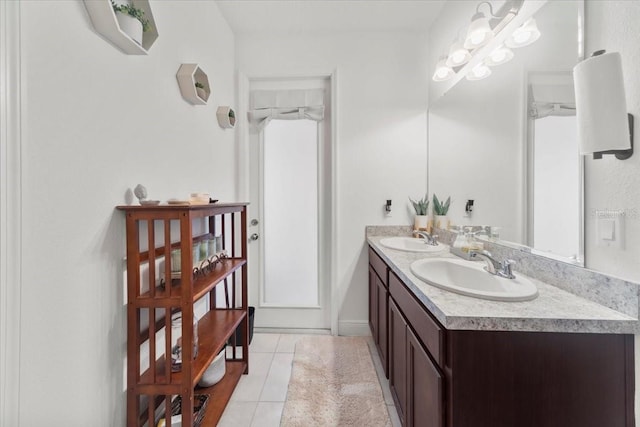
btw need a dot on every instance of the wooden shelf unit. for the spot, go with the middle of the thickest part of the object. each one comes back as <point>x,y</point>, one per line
<point>150,381</point>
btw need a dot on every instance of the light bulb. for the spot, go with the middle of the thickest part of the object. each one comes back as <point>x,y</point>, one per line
<point>458,55</point>
<point>479,72</point>
<point>479,32</point>
<point>443,71</point>
<point>500,55</point>
<point>524,35</point>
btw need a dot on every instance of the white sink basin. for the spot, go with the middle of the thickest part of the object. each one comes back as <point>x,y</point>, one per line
<point>470,278</point>
<point>410,244</point>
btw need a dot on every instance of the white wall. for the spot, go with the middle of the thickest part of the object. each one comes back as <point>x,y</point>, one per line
<point>95,123</point>
<point>381,134</point>
<point>612,183</point>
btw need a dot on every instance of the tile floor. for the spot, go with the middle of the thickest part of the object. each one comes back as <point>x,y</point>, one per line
<point>259,397</point>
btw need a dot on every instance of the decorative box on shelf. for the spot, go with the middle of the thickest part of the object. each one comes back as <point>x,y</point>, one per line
<point>194,84</point>
<point>226,117</point>
<point>106,23</point>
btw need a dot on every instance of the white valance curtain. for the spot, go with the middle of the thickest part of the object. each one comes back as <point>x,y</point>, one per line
<point>295,104</point>
<point>552,100</point>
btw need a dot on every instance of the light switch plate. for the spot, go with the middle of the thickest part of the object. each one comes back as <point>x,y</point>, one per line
<point>610,229</point>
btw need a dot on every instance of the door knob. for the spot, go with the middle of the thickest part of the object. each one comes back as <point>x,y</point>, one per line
<point>254,236</point>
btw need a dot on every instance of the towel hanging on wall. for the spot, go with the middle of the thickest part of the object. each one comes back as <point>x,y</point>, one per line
<point>285,105</point>
<point>601,104</point>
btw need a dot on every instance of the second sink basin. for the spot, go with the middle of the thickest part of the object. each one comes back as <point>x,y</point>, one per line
<point>410,244</point>
<point>469,278</point>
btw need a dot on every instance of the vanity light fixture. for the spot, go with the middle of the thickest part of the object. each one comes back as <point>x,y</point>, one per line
<point>443,71</point>
<point>482,30</point>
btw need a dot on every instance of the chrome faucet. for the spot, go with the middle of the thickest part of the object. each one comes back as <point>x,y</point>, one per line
<point>502,269</point>
<point>429,239</point>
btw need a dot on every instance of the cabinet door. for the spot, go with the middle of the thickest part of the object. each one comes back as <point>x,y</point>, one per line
<point>424,387</point>
<point>383,301</point>
<point>373,304</point>
<point>398,359</point>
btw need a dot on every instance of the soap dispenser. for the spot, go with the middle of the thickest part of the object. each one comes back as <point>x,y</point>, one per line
<point>460,241</point>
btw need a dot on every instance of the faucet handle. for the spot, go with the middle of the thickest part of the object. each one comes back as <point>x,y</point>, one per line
<point>506,269</point>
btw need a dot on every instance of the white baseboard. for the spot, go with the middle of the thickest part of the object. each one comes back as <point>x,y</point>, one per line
<point>291,331</point>
<point>353,328</point>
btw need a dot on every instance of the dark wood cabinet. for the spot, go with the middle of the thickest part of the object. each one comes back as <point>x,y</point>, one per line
<point>473,378</point>
<point>378,306</point>
<point>424,387</point>
<point>398,359</point>
<point>415,381</point>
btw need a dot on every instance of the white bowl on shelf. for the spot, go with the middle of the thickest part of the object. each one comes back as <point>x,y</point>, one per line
<point>215,372</point>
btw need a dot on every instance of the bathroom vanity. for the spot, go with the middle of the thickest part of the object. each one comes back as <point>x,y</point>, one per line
<point>458,361</point>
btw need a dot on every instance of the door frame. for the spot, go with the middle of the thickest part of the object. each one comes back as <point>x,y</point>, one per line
<point>10,212</point>
<point>243,165</point>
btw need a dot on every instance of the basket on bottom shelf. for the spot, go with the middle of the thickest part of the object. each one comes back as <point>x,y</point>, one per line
<point>199,405</point>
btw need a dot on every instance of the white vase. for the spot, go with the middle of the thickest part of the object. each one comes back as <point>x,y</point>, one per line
<point>441,221</point>
<point>421,222</point>
<point>130,26</point>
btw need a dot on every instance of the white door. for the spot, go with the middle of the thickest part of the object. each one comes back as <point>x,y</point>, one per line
<point>289,217</point>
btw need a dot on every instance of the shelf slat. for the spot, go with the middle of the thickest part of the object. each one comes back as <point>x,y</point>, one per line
<point>201,285</point>
<point>214,329</point>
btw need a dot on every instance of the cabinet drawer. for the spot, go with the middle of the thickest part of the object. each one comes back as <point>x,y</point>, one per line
<point>426,328</point>
<point>379,266</point>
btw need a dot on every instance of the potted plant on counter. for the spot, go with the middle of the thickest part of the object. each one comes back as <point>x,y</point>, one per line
<point>131,20</point>
<point>440,211</point>
<point>421,220</point>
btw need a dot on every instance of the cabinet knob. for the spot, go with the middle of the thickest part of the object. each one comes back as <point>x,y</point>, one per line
<point>254,222</point>
<point>254,236</point>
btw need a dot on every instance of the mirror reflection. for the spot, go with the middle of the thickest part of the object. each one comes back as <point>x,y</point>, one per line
<point>508,142</point>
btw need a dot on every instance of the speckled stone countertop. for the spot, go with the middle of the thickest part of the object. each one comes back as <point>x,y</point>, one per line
<point>554,310</point>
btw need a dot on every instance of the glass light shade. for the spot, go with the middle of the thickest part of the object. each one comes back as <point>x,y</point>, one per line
<point>458,55</point>
<point>524,35</point>
<point>500,55</point>
<point>479,32</point>
<point>479,72</point>
<point>443,71</point>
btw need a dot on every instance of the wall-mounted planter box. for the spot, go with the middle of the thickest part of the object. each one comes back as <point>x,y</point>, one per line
<point>106,24</point>
<point>188,75</point>
<point>226,117</point>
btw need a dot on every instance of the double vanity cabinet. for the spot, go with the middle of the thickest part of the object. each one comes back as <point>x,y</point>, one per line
<point>440,376</point>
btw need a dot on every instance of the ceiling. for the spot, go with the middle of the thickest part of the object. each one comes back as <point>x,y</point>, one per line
<point>328,16</point>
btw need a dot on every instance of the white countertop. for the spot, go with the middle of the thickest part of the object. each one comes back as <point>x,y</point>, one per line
<point>554,310</point>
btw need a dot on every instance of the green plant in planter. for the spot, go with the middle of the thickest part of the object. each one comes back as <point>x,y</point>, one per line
<point>199,85</point>
<point>134,12</point>
<point>421,206</point>
<point>441,208</point>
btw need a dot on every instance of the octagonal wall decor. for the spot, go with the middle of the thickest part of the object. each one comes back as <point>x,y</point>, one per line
<point>190,75</point>
<point>104,20</point>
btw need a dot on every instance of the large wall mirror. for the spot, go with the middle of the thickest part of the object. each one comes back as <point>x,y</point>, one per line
<point>508,142</point>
